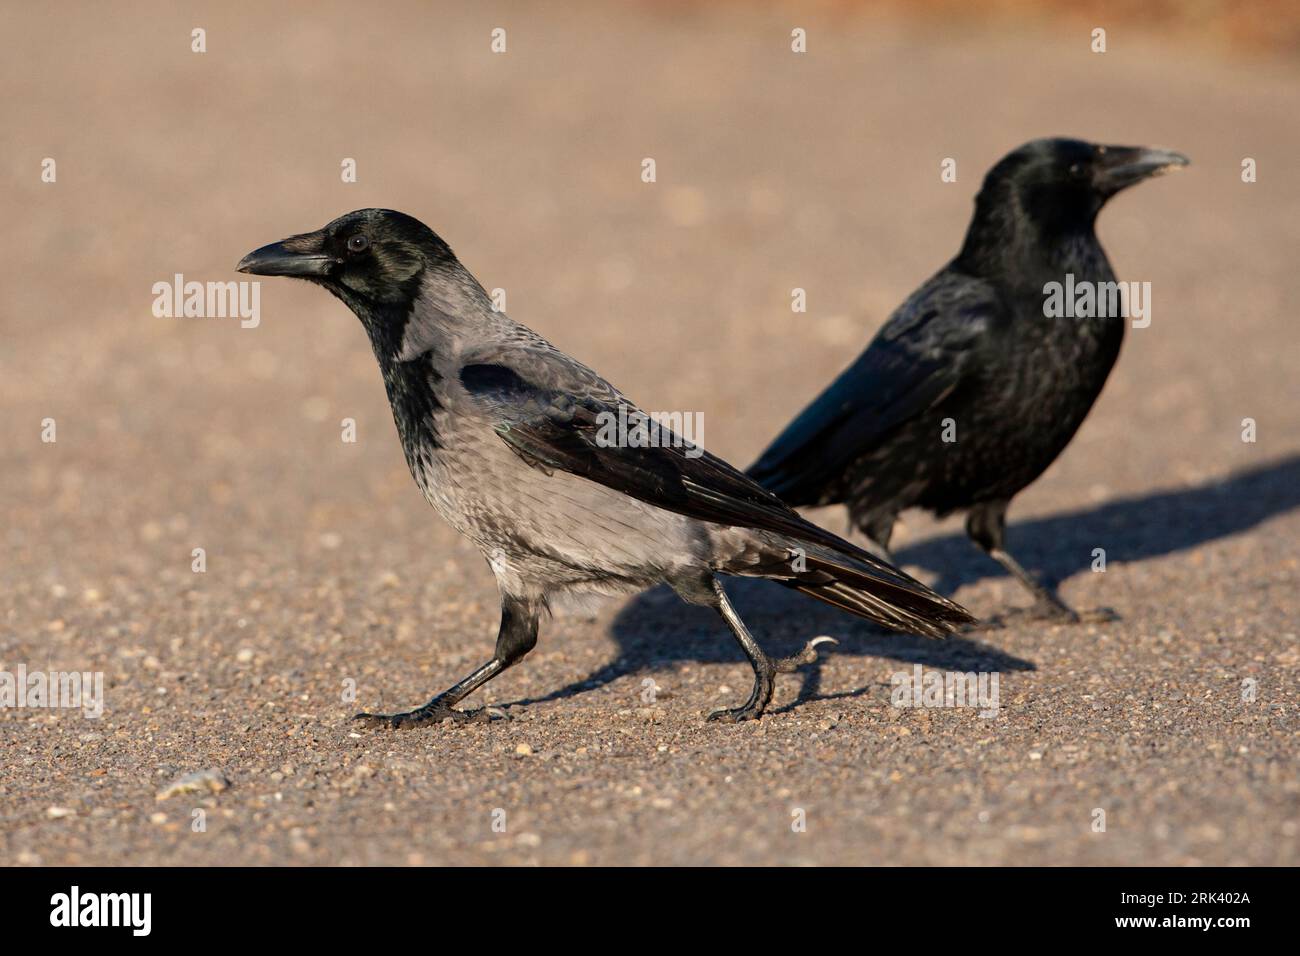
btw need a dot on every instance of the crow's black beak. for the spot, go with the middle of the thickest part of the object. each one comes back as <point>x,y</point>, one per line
<point>1123,166</point>
<point>301,256</point>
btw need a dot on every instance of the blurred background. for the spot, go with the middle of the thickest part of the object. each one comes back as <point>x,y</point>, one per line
<point>774,171</point>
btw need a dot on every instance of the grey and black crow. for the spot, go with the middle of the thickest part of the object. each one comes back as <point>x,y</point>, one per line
<point>509,440</point>
<point>972,357</point>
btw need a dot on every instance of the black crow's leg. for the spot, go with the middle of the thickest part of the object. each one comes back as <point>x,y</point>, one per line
<point>1047,603</point>
<point>517,636</point>
<point>986,525</point>
<point>765,668</point>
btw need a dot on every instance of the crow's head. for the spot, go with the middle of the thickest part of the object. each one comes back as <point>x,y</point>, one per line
<point>371,258</point>
<point>1061,184</point>
<point>379,262</point>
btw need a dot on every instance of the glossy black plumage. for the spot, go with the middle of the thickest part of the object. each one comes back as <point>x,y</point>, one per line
<point>971,356</point>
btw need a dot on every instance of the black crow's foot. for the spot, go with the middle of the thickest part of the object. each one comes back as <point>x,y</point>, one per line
<point>1019,616</point>
<point>434,712</point>
<point>1049,611</point>
<point>788,665</point>
<point>1099,615</point>
<point>735,715</point>
<point>1013,616</point>
<point>764,683</point>
<point>1052,611</point>
<point>759,697</point>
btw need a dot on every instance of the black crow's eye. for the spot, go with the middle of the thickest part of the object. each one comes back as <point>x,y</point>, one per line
<point>1076,169</point>
<point>358,243</point>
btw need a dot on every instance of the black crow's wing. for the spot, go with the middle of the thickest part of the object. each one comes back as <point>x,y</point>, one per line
<point>560,416</point>
<point>920,357</point>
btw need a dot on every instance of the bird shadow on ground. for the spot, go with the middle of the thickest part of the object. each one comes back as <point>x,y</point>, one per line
<point>655,629</point>
<point>1129,529</point>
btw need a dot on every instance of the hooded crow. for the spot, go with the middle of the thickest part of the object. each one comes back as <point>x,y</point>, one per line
<point>508,438</point>
<point>972,388</point>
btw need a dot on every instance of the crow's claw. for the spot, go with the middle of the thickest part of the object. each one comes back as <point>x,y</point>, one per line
<point>1099,615</point>
<point>787,665</point>
<point>1046,612</point>
<point>735,715</point>
<point>765,669</point>
<point>432,712</point>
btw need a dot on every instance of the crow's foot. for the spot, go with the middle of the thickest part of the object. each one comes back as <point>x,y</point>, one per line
<point>434,712</point>
<point>788,665</point>
<point>765,672</point>
<point>1048,612</point>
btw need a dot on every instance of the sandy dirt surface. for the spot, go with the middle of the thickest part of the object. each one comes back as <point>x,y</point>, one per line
<point>326,570</point>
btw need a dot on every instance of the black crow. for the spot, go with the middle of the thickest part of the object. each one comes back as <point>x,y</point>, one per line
<point>511,441</point>
<point>973,386</point>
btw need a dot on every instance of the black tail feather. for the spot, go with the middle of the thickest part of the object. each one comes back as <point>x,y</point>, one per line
<point>855,581</point>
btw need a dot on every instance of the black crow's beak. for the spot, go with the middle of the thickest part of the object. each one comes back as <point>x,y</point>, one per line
<point>303,256</point>
<point>1122,166</point>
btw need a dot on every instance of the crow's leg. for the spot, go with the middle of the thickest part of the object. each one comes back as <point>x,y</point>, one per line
<point>986,525</point>
<point>765,668</point>
<point>1047,603</point>
<point>517,637</point>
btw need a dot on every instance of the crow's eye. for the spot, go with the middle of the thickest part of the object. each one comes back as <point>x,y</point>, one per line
<point>358,243</point>
<point>1076,169</point>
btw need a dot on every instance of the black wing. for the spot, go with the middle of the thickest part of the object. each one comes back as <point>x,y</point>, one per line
<point>919,358</point>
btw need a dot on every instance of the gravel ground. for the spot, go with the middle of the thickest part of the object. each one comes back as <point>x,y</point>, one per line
<point>325,570</point>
